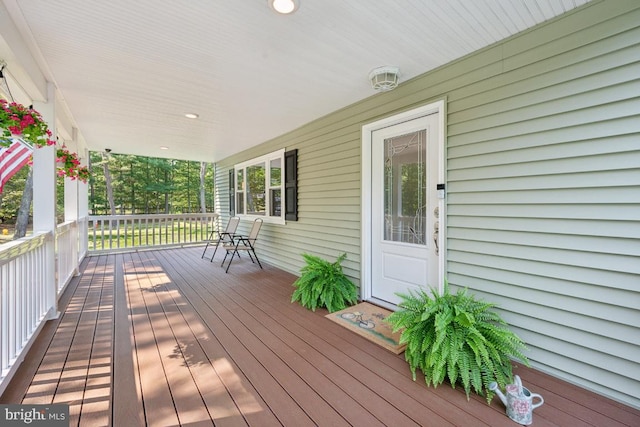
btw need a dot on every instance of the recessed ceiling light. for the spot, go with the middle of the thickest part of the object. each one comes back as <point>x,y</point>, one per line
<point>191,115</point>
<point>164,148</point>
<point>284,6</point>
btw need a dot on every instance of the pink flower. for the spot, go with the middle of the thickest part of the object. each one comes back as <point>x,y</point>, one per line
<point>27,120</point>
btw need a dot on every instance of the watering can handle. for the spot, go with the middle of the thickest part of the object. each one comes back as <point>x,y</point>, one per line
<point>535,405</point>
<point>518,382</point>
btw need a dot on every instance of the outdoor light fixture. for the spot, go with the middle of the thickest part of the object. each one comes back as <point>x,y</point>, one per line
<point>191,116</point>
<point>384,78</point>
<point>284,7</point>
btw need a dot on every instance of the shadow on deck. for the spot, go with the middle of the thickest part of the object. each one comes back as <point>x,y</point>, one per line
<point>166,338</point>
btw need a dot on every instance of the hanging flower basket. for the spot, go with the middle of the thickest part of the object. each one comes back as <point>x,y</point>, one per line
<point>16,120</point>
<point>69,165</point>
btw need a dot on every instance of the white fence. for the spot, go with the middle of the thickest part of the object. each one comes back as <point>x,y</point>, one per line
<point>25,297</point>
<point>66,253</point>
<point>35,270</point>
<point>83,241</point>
<point>124,232</point>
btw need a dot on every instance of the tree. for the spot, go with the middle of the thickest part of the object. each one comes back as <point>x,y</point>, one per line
<point>203,200</point>
<point>108,183</point>
<point>143,185</point>
<point>22,220</point>
<point>11,197</point>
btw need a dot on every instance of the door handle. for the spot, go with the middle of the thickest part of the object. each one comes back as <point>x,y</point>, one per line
<point>436,229</point>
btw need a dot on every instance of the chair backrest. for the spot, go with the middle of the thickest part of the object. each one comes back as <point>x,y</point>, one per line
<point>255,229</point>
<point>232,225</point>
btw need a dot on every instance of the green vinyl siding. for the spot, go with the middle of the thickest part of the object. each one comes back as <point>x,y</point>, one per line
<point>543,188</point>
<point>543,175</point>
<point>328,199</point>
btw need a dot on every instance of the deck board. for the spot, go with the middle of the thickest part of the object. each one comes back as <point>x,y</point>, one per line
<point>155,391</point>
<point>309,385</point>
<point>319,332</point>
<point>347,394</point>
<point>95,402</point>
<point>166,338</point>
<point>127,402</point>
<point>233,336</point>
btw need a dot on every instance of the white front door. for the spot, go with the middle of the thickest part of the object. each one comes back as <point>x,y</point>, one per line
<point>404,208</point>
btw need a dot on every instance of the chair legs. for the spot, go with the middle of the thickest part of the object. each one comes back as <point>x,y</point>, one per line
<point>215,250</point>
<point>209,242</point>
<point>230,261</point>
<point>235,251</point>
<point>223,238</point>
<point>254,254</point>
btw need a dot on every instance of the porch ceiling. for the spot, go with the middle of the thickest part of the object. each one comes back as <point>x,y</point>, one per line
<point>128,71</point>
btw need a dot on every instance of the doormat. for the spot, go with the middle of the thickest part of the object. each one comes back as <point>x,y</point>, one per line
<point>366,319</point>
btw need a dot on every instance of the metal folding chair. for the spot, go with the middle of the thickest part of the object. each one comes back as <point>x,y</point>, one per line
<point>243,243</point>
<point>223,237</point>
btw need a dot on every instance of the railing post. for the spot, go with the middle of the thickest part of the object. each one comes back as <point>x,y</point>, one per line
<point>71,214</point>
<point>44,201</point>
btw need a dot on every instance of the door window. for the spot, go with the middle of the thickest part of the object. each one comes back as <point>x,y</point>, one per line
<point>405,183</point>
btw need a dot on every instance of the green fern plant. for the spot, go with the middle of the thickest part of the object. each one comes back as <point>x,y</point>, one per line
<point>457,337</point>
<point>324,284</point>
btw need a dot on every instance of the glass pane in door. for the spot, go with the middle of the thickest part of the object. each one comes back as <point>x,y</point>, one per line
<point>405,183</point>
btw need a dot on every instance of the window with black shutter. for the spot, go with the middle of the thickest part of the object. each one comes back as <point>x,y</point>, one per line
<point>232,193</point>
<point>266,187</point>
<point>291,185</point>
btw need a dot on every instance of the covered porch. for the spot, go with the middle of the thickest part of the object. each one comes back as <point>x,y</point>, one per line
<point>163,337</point>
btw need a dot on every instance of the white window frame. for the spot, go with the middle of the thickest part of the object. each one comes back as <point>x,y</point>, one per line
<point>266,160</point>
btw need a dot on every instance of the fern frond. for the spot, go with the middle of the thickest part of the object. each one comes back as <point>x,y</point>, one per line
<point>457,337</point>
<point>324,284</point>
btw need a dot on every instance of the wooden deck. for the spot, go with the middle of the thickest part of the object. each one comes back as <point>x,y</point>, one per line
<point>164,338</point>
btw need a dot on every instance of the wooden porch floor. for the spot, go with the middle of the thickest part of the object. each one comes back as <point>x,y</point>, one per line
<point>164,338</point>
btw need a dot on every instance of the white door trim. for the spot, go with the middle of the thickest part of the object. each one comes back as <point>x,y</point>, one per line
<point>437,107</point>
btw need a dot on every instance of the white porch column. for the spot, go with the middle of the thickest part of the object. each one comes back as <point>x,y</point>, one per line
<point>83,201</point>
<point>71,188</point>
<point>44,199</point>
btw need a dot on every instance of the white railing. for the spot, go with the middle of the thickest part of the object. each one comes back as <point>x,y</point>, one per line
<point>125,232</point>
<point>66,253</point>
<point>28,289</point>
<point>83,238</point>
<point>25,300</point>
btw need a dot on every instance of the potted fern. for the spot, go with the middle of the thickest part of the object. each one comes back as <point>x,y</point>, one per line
<point>457,337</point>
<point>324,284</point>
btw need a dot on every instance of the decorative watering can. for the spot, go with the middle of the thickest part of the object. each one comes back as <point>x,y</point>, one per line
<point>519,401</point>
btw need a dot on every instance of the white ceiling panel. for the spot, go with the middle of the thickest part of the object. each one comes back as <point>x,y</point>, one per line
<point>129,70</point>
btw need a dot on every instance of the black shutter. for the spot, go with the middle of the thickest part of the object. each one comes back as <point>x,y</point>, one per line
<point>232,193</point>
<point>291,185</point>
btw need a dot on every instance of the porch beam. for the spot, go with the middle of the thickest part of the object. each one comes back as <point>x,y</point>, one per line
<point>14,49</point>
